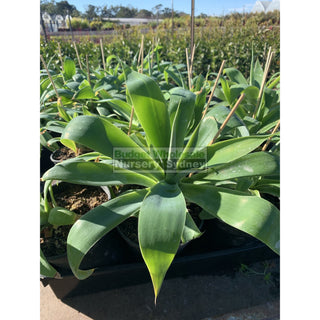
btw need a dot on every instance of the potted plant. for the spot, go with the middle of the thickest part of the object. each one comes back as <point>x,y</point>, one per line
<point>175,164</point>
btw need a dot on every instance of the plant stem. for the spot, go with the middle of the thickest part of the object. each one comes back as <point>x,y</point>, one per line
<point>269,139</point>
<point>214,88</point>
<point>102,54</point>
<point>227,119</point>
<point>75,48</point>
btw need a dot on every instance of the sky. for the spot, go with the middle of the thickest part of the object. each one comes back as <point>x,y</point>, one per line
<point>209,7</point>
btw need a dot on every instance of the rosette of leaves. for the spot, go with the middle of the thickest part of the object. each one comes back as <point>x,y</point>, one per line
<point>175,165</point>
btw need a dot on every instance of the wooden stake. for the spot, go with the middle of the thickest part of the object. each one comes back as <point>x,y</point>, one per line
<point>269,139</point>
<point>88,70</point>
<point>141,54</point>
<point>60,55</point>
<point>214,88</point>
<point>75,47</point>
<point>188,68</point>
<point>102,54</point>
<point>227,119</point>
<point>191,62</point>
<point>264,78</point>
<point>51,80</point>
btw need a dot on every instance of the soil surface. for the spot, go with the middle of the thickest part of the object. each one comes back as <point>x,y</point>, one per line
<point>77,198</point>
<point>65,153</point>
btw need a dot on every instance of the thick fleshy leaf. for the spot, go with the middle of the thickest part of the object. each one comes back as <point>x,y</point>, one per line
<point>232,149</point>
<point>182,101</point>
<point>85,93</point>
<point>46,269</point>
<point>220,113</point>
<point>235,75</point>
<point>250,165</point>
<point>95,174</point>
<point>270,186</point>
<point>96,223</point>
<point>150,108</point>
<point>59,216</point>
<point>190,230</point>
<point>192,157</point>
<point>102,136</point>
<point>257,75</point>
<point>250,214</point>
<point>123,108</point>
<point>181,107</point>
<point>69,68</point>
<point>161,222</point>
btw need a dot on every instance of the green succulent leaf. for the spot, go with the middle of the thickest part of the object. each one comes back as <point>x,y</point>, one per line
<point>112,142</point>
<point>250,214</point>
<point>84,94</point>
<point>190,230</point>
<point>46,269</point>
<point>150,108</point>
<point>95,174</point>
<point>181,110</point>
<point>200,138</point>
<point>161,222</point>
<point>96,223</point>
<point>253,164</point>
<point>59,216</point>
<point>232,149</point>
<point>69,68</point>
<point>235,75</point>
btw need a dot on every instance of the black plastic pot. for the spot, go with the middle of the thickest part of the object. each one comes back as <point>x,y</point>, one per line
<point>134,245</point>
<point>53,159</point>
<point>204,255</point>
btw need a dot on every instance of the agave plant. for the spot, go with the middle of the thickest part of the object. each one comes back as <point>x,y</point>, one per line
<point>176,163</point>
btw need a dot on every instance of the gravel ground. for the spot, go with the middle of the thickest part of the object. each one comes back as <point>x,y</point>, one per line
<point>252,294</point>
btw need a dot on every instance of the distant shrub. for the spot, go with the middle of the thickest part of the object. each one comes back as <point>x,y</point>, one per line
<point>95,25</point>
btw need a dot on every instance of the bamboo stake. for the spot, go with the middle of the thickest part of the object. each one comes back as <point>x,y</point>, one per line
<point>141,55</point>
<point>88,70</point>
<point>102,54</point>
<point>227,119</point>
<point>60,55</point>
<point>188,68</point>
<point>51,80</point>
<point>214,88</point>
<point>191,62</point>
<point>264,78</point>
<point>269,139</point>
<point>75,47</point>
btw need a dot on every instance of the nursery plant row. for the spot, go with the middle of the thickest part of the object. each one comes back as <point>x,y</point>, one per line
<point>154,151</point>
<point>215,41</point>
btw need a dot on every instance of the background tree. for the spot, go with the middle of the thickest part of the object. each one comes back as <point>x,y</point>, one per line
<point>64,8</point>
<point>91,12</point>
<point>126,12</point>
<point>166,13</point>
<point>143,13</point>
<point>48,6</point>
